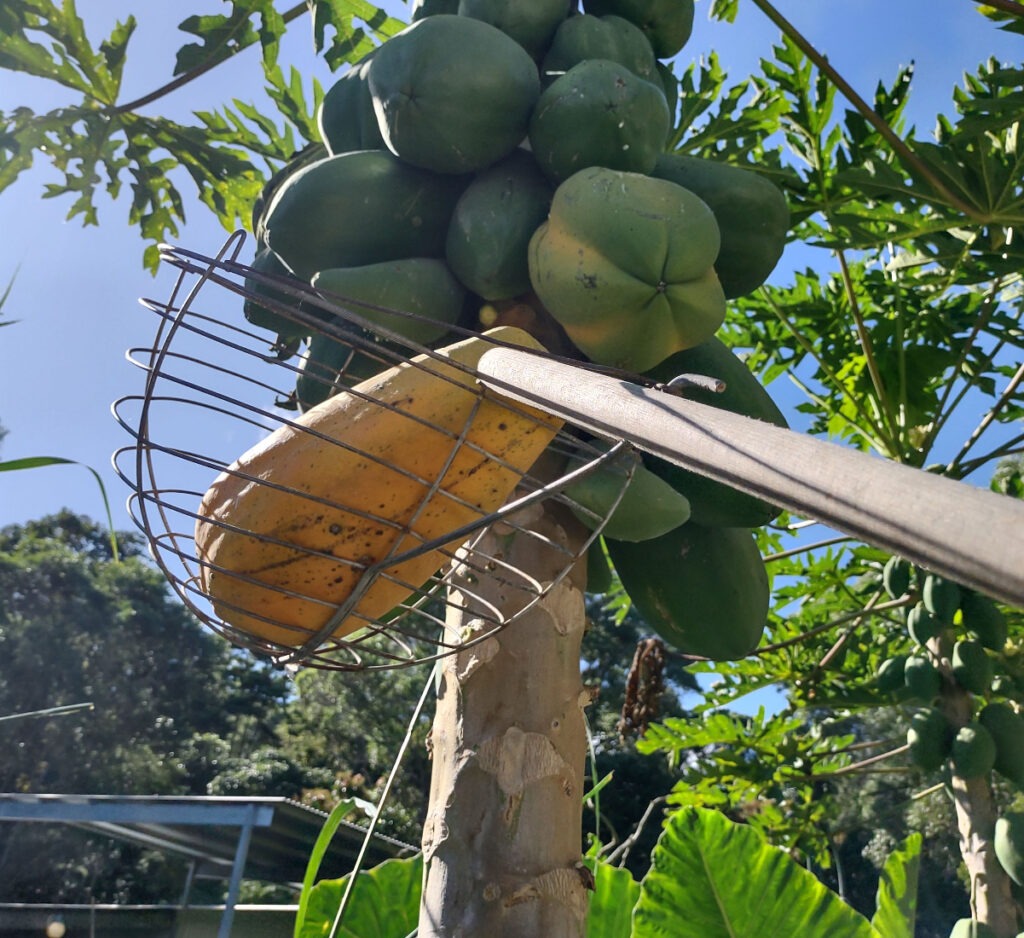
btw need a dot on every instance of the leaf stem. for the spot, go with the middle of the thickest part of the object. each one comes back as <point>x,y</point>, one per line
<point>869,354</point>
<point>794,551</point>
<point>986,421</point>
<point>863,764</point>
<point>906,156</point>
<point>832,623</point>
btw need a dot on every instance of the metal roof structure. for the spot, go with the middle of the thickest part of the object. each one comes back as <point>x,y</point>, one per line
<point>230,838</point>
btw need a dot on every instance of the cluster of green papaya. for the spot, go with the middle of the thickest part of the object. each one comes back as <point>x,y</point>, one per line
<point>953,631</point>
<point>503,163</point>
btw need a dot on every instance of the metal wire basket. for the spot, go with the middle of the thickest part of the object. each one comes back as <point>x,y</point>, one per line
<point>215,387</point>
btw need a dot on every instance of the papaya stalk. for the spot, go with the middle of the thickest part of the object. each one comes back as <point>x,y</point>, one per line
<point>503,832</point>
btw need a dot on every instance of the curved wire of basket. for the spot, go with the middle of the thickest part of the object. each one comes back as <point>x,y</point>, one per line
<point>214,387</point>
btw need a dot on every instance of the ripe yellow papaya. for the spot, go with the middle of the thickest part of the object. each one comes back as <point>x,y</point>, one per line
<point>285,534</point>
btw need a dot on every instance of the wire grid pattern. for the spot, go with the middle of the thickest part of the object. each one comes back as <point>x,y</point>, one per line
<point>214,387</point>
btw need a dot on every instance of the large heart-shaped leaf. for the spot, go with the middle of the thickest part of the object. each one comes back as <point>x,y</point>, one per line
<point>712,878</point>
<point>896,909</point>
<point>611,903</point>
<point>385,903</point>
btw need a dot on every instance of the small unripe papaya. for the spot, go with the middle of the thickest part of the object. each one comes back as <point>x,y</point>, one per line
<point>1007,729</point>
<point>941,597</point>
<point>929,738</point>
<point>889,677</point>
<point>922,678</point>
<point>973,751</point>
<point>1009,846</point>
<point>972,667</point>
<point>896,576</point>
<point>922,625</point>
<point>983,619</point>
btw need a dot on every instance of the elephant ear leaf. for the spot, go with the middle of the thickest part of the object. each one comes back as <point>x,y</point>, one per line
<point>896,906</point>
<point>711,878</point>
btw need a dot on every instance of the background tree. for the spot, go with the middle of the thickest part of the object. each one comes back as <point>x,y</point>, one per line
<point>171,704</point>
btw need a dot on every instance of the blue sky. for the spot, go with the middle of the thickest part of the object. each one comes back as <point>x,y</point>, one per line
<point>75,293</point>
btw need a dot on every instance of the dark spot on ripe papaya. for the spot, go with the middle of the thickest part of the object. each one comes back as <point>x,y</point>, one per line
<point>335,529</point>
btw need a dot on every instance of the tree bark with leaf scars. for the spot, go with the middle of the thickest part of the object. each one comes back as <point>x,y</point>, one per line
<point>503,833</point>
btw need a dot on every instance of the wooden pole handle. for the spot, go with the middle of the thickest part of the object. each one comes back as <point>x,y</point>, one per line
<point>970,535</point>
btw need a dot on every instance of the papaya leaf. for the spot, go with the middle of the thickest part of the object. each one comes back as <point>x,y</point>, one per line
<point>351,42</point>
<point>222,36</point>
<point>384,903</point>
<point>711,878</point>
<point>896,909</point>
<point>611,902</point>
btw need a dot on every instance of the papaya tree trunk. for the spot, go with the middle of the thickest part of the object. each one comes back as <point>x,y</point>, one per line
<point>502,838</point>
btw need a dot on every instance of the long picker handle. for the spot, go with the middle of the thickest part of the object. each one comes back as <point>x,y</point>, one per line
<point>970,535</point>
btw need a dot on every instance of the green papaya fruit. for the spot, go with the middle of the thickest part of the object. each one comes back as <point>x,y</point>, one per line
<point>531,23</point>
<point>922,625</point>
<point>277,317</point>
<point>983,619</point>
<point>453,94</point>
<point>347,119</point>
<point>612,38</point>
<point>332,364</point>
<point>360,208</point>
<point>1007,729</point>
<point>599,571</point>
<point>494,219</point>
<point>310,154</point>
<point>941,597</point>
<point>971,928</point>
<point>1009,845</point>
<point>929,739</point>
<point>637,504</point>
<point>922,678</point>
<point>752,215</point>
<point>972,667</point>
<point>625,264</point>
<point>896,576</point>
<point>973,751</point>
<point>703,590</point>
<point>598,114</point>
<point>666,23</point>
<point>418,297</point>
<point>889,677</point>
<point>712,503</point>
